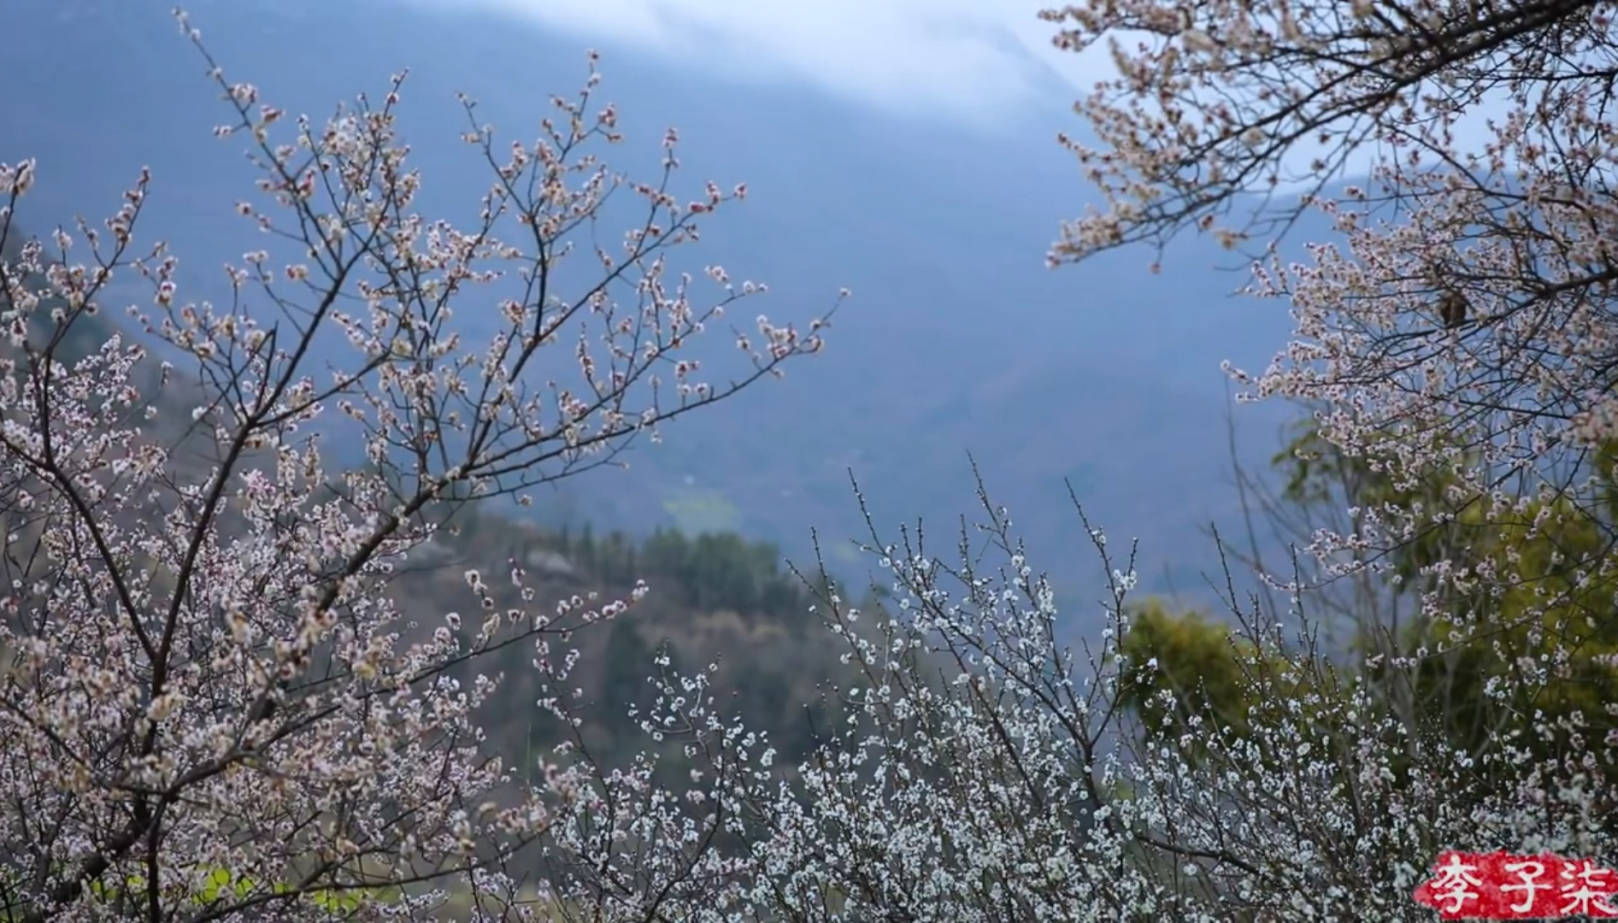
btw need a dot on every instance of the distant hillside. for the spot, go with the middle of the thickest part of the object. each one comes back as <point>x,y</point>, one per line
<point>715,598</point>
<point>958,339</point>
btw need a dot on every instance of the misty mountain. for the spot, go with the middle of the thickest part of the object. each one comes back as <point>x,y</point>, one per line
<point>957,340</point>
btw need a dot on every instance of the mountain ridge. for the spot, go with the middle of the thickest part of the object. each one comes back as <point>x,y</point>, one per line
<point>957,341</point>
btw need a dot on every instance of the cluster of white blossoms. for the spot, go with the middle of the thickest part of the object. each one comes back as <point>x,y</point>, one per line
<point>980,768</point>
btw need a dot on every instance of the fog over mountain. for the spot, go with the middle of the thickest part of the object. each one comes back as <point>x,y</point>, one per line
<point>958,338</point>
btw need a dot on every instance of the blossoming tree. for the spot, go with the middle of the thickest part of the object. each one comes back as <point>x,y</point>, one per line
<point>1458,318</point>
<point>210,705</point>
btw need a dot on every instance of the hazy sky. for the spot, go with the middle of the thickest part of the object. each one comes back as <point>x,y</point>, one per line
<point>973,61</point>
<point>966,59</point>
